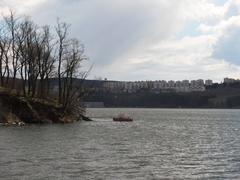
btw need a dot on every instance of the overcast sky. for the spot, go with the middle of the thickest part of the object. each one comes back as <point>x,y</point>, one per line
<point>149,39</point>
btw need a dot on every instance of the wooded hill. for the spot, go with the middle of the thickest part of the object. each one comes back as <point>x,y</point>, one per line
<point>216,96</point>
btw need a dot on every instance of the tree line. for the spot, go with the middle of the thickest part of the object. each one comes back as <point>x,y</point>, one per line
<point>35,54</point>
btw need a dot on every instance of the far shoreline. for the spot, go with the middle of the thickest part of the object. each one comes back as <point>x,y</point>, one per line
<point>164,108</point>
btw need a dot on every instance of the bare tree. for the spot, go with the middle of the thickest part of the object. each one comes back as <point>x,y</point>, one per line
<point>45,60</point>
<point>33,54</point>
<point>62,32</point>
<point>22,39</point>
<point>29,54</point>
<point>3,49</point>
<point>72,63</point>
<point>12,25</point>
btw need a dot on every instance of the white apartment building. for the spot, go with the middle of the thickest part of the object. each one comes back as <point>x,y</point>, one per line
<point>208,82</point>
<point>230,80</point>
<point>178,86</point>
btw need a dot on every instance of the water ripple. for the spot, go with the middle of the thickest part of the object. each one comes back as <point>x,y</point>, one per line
<point>159,144</point>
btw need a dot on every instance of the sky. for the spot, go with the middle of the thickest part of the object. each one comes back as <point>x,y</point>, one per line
<point>148,39</point>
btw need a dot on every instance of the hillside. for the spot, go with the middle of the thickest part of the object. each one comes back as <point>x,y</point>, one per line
<point>216,96</point>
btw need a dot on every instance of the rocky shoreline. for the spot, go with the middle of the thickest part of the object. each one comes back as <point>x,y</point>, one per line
<point>17,111</point>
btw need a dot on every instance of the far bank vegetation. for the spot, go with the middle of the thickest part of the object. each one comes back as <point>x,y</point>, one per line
<point>32,55</point>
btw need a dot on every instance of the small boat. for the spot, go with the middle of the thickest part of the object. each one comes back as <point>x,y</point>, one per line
<point>123,118</point>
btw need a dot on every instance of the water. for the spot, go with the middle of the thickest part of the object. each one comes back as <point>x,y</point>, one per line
<point>159,144</point>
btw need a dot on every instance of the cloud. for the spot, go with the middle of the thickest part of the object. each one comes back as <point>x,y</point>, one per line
<point>188,58</point>
<point>227,34</point>
<point>227,47</point>
<point>149,39</point>
<point>19,6</point>
<point>110,29</point>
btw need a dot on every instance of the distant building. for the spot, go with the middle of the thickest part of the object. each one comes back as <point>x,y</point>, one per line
<point>197,85</point>
<point>230,80</point>
<point>171,84</point>
<point>158,86</point>
<point>208,82</point>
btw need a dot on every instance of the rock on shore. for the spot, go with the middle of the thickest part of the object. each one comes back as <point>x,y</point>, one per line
<point>17,110</point>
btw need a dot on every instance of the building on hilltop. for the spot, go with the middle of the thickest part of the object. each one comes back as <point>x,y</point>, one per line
<point>230,80</point>
<point>208,82</point>
<point>157,86</point>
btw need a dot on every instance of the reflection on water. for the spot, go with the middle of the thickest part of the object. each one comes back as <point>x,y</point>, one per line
<point>159,144</point>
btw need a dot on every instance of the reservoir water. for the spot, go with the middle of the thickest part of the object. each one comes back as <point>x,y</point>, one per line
<point>159,144</point>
